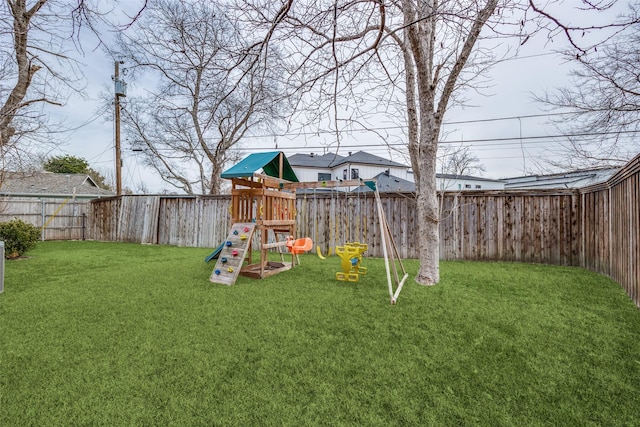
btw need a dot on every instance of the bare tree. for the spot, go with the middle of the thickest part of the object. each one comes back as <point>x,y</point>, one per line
<point>603,103</point>
<point>456,160</point>
<point>38,40</point>
<point>27,65</point>
<point>206,89</point>
<point>426,51</point>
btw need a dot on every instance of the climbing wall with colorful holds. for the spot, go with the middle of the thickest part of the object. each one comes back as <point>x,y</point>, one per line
<point>233,254</point>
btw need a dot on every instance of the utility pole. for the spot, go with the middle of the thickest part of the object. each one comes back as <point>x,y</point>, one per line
<point>120,90</point>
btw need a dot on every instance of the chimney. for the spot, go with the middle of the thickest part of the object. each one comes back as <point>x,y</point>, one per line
<point>349,152</point>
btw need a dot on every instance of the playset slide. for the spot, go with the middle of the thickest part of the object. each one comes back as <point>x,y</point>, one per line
<point>215,253</point>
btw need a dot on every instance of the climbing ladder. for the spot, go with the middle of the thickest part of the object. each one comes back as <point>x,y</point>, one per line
<point>233,254</point>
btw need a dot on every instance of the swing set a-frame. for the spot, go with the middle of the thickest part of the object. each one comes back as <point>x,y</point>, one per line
<point>265,202</point>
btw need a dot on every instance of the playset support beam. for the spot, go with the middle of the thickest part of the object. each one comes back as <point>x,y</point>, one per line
<point>326,184</point>
<point>390,251</point>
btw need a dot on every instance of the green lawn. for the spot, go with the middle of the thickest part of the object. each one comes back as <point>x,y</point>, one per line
<point>120,334</point>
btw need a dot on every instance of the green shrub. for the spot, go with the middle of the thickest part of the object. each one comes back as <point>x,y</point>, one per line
<point>19,237</point>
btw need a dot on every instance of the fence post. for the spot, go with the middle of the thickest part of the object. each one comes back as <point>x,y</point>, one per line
<point>1,266</point>
<point>44,218</point>
<point>84,223</point>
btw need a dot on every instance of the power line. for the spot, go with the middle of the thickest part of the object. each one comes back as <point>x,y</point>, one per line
<point>95,116</point>
<point>497,119</point>
<point>401,127</point>
<point>478,142</point>
<point>540,137</point>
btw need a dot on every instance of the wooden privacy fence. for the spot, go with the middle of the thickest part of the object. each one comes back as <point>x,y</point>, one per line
<point>58,219</point>
<point>528,226</point>
<point>194,221</point>
<point>518,226</point>
<point>610,235</point>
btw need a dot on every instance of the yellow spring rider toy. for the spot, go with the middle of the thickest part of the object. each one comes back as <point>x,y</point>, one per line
<point>351,258</point>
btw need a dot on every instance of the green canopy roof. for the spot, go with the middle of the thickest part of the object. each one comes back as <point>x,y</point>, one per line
<point>268,162</point>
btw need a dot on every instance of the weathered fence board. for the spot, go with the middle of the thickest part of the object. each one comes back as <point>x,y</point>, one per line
<point>611,228</point>
<point>58,219</point>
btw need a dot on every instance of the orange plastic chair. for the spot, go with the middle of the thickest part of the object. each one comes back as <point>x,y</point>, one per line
<point>300,246</point>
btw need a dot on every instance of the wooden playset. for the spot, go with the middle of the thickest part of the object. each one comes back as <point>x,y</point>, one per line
<point>265,203</point>
<point>259,202</point>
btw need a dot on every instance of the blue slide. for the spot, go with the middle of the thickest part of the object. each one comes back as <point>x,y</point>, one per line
<point>215,253</point>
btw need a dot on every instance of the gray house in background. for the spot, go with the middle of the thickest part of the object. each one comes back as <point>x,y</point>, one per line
<point>332,167</point>
<point>452,182</point>
<point>56,203</point>
<point>50,185</point>
<point>391,176</point>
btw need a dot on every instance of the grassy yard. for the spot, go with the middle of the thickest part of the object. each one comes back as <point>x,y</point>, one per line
<point>119,334</point>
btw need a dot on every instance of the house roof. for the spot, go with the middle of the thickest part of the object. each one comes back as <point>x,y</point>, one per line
<point>387,183</point>
<point>43,184</point>
<point>370,159</point>
<point>573,179</point>
<point>315,161</point>
<point>268,162</point>
<point>332,160</point>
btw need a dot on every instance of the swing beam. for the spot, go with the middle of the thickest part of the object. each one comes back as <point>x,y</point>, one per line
<point>325,184</point>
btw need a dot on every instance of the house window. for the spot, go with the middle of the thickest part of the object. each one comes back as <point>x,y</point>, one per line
<point>467,186</point>
<point>344,173</point>
<point>355,173</point>
<point>478,186</point>
<point>324,176</point>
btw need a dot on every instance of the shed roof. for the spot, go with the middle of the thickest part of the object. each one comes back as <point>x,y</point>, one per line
<point>269,162</point>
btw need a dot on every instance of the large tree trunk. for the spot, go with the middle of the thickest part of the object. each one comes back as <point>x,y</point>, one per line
<point>216,180</point>
<point>429,214</point>
<point>424,129</point>
<point>426,106</point>
<point>423,147</point>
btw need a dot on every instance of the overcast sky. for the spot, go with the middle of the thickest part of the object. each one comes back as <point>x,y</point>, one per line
<point>499,128</point>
